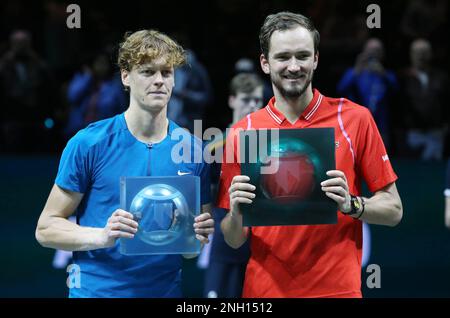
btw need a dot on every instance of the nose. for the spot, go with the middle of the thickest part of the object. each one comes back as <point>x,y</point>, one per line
<point>294,65</point>
<point>158,79</point>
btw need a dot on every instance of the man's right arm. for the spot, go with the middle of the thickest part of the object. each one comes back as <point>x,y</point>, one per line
<point>234,232</point>
<point>54,230</point>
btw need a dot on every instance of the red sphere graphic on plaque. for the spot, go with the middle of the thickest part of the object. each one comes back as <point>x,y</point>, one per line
<point>295,178</point>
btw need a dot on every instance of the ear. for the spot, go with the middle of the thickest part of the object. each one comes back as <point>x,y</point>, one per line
<point>264,64</point>
<point>125,78</point>
<point>316,60</point>
<point>231,100</point>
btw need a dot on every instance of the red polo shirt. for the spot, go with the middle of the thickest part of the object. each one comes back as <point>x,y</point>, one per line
<point>314,260</point>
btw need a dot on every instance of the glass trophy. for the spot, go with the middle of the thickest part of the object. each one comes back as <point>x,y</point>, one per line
<point>165,208</point>
<point>287,167</point>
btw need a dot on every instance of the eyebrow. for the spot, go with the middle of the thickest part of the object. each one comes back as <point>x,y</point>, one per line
<point>292,53</point>
<point>153,68</point>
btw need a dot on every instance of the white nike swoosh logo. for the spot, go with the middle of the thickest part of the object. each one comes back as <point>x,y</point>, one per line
<point>183,173</point>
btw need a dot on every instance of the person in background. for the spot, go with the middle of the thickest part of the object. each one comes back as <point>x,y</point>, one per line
<point>26,90</point>
<point>94,93</point>
<point>226,267</point>
<point>425,97</point>
<point>370,84</point>
<point>246,65</point>
<point>192,93</point>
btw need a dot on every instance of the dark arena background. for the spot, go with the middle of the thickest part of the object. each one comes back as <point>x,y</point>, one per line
<point>414,257</point>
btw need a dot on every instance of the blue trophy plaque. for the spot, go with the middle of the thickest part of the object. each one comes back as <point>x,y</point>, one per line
<point>165,208</point>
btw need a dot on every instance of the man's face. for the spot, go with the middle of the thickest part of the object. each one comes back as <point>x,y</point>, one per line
<point>291,62</point>
<point>20,42</point>
<point>246,103</point>
<point>420,53</point>
<point>374,49</point>
<point>150,84</point>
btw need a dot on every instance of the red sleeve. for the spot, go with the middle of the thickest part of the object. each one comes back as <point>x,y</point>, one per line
<point>372,159</point>
<point>230,168</point>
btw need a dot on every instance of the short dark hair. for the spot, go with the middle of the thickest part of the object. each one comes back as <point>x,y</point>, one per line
<point>244,83</point>
<point>285,21</point>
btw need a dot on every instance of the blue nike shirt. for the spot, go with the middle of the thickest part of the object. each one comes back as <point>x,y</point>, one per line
<point>92,163</point>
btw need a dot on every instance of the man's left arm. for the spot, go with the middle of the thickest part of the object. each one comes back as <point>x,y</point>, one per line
<point>383,208</point>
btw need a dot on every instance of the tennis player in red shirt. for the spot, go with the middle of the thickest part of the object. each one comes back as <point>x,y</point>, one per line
<point>312,260</point>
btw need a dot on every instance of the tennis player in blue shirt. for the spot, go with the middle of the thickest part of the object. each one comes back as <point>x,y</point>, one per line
<point>138,142</point>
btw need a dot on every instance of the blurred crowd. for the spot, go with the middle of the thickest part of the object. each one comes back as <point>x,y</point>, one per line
<point>55,81</point>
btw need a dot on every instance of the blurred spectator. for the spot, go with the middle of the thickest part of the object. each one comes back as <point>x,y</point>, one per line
<point>246,65</point>
<point>226,270</point>
<point>25,89</point>
<point>424,92</point>
<point>368,83</point>
<point>192,93</point>
<point>94,93</point>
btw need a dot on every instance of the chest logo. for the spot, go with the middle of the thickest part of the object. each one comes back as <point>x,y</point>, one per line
<point>183,173</point>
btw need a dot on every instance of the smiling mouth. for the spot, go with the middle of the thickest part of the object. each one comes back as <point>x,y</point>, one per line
<point>294,78</point>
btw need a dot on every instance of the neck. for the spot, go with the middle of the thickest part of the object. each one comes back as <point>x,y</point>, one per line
<point>235,118</point>
<point>146,126</point>
<point>292,108</point>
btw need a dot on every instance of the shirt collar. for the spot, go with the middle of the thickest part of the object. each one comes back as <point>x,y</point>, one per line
<point>307,114</point>
<point>171,127</point>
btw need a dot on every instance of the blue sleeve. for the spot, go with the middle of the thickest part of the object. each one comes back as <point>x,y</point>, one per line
<point>74,167</point>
